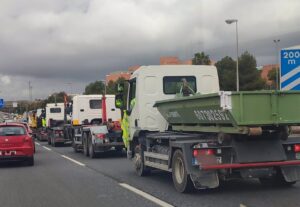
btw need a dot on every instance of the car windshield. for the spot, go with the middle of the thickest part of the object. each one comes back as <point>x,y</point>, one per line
<point>12,131</point>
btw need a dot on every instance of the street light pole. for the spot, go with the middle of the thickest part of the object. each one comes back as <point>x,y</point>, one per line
<point>277,61</point>
<point>230,21</point>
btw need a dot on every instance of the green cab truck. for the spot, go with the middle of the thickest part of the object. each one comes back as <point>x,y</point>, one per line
<point>182,123</point>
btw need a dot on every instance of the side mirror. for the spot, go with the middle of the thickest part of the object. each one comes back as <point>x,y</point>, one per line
<point>119,103</point>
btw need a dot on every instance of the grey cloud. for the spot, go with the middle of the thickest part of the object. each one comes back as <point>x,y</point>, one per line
<point>53,42</point>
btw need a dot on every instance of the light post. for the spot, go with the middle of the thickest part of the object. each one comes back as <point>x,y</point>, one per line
<point>230,21</point>
<point>277,61</point>
<point>104,82</point>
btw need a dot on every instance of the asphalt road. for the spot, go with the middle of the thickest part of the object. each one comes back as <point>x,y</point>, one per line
<point>76,180</point>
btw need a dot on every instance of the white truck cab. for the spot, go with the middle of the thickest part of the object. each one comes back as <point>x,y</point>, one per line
<point>149,84</point>
<point>89,108</point>
<point>54,111</point>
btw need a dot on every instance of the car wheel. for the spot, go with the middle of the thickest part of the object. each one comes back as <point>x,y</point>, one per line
<point>181,179</point>
<point>30,161</point>
<point>138,161</point>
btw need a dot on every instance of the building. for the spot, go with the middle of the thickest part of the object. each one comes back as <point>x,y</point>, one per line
<point>172,60</point>
<point>265,71</point>
<point>116,75</point>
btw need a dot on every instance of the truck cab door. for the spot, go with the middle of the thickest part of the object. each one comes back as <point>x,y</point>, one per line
<point>132,108</point>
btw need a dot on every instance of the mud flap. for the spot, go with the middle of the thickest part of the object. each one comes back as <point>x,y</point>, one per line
<point>291,173</point>
<point>205,179</point>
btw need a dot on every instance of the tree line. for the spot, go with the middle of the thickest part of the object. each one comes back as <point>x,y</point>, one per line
<point>249,76</point>
<point>249,79</point>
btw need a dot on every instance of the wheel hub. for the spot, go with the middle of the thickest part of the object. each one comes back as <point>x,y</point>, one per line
<point>137,161</point>
<point>179,170</point>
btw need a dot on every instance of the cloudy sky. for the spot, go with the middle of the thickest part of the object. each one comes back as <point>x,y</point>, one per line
<point>66,44</point>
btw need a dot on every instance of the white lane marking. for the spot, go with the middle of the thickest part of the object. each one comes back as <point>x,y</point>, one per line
<point>47,148</point>
<point>38,143</point>
<point>146,195</point>
<point>75,161</point>
<point>242,205</point>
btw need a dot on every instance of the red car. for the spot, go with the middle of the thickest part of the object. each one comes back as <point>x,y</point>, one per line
<point>16,144</point>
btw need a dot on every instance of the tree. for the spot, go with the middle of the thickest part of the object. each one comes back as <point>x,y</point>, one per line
<point>57,98</point>
<point>96,87</point>
<point>249,76</point>
<point>227,74</point>
<point>272,77</point>
<point>201,59</point>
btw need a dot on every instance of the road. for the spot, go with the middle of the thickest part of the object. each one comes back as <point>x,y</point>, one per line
<point>61,177</point>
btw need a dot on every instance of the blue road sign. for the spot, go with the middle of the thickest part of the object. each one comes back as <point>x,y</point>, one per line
<point>290,69</point>
<point>1,103</point>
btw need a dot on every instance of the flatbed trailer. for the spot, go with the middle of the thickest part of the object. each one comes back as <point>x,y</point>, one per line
<point>94,139</point>
<point>200,161</point>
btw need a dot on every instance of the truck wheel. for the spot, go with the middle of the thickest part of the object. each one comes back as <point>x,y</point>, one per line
<point>75,148</point>
<point>138,161</point>
<point>49,141</point>
<point>53,144</point>
<point>85,146</point>
<point>181,179</point>
<point>92,153</point>
<point>276,180</point>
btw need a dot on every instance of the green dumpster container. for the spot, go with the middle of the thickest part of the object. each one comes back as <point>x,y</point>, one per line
<point>232,112</point>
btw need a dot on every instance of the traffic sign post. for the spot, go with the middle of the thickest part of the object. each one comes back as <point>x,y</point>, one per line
<point>1,103</point>
<point>290,68</point>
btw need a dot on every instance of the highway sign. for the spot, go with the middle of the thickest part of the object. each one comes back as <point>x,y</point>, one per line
<point>290,68</point>
<point>1,103</point>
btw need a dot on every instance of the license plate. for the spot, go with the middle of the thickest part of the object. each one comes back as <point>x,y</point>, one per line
<point>7,153</point>
<point>298,156</point>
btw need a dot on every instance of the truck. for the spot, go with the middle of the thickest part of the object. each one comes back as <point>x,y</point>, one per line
<point>95,125</point>
<point>54,111</point>
<point>56,120</point>
<point>206,135</point>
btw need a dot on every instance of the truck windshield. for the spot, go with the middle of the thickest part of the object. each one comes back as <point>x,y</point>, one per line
<point>173,84</point>
<point>132,91</point>
<point>95,104</point>
<point>12,131</point>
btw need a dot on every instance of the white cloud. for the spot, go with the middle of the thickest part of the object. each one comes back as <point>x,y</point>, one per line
<point>5,80</point>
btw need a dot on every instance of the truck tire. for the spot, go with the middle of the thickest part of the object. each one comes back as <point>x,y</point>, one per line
<point>49,141</point>
<point>85,145</point>
<point>138,161</point>
<point>75,148</point>
<point>53,143</point>
<point>276,180</point>
<point>182,181</point>
<point>92,153</point>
